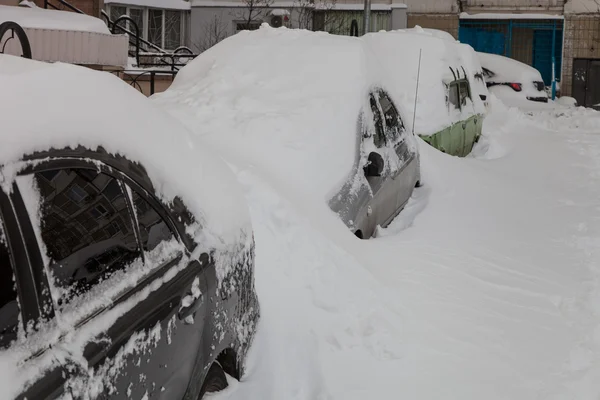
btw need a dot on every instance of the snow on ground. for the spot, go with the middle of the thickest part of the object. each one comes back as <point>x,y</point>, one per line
<point>486,286</point>
<point>40,18</point>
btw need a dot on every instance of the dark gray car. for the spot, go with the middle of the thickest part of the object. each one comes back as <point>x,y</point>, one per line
<point>388,158</point>
<point>110,258</point>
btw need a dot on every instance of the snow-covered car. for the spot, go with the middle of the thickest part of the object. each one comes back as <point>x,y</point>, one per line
<point>451,95</point>
<point>511,80</point>
<point>126,254</point>
<point>324,124</point>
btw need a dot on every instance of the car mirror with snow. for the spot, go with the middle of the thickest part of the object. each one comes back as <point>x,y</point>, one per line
<point>374,166</point>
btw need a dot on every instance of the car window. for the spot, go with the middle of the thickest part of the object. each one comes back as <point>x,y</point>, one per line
<point>85,226</point>
<point>9,306</point>
<point>393,122</point>
<point>379,137</point>
<point>453,96</point>
<point>463,91</point>
<point>153,229</point>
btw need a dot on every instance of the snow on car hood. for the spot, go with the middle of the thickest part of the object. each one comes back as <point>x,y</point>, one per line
<point>59,105</point>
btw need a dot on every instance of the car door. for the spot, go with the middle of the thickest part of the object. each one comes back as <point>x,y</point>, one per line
<point>20,299</point>
<point>381,204</point>
<point>404,174</point>
<point>124,288</point>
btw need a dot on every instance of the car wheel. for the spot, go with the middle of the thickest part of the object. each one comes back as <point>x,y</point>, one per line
<point>215,380</point>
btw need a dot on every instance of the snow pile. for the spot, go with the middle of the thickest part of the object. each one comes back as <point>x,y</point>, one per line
<point>40,18</point>
<point>279,89</point>
<point>398,54</point>
<point>485,287</point>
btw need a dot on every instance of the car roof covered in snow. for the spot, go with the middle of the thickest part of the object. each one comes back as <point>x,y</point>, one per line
<point>290,100</point>
<point>287,100</point>
<point>508,70</point>
<point>442,61</point>
<point>45,106</point>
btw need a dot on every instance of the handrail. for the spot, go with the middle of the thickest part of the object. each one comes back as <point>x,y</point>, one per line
<point>64,3</point>
<point>21,35</point>
<point>127,31</point>
<point>137,34</point>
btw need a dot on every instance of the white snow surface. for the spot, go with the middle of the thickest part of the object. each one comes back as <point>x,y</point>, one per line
<point>486,287</point>
<point>40,18</point>
<point>77,106</point>
<point>305,101</point>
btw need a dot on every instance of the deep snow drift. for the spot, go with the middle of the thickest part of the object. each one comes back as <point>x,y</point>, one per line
<point>486,286</point>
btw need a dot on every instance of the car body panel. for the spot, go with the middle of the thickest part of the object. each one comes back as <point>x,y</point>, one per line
<point>459,138</point>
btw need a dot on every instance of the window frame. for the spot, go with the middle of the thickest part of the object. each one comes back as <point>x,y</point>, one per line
<point>458,83</point>
<point>37,265</point>
<point>31,296</point>
<point>144,31</point>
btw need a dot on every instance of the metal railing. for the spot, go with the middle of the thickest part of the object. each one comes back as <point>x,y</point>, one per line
<point>64,4</point>
<point>145,81</point>
<point>15,29</point>
<point>146,53</point>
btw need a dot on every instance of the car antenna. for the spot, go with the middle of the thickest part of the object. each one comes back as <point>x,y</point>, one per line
<point>417,92</point>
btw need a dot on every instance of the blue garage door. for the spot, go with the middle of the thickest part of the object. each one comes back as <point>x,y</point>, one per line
<point>487,41</point>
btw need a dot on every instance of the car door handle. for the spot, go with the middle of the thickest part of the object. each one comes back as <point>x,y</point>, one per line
<point>189,310</point>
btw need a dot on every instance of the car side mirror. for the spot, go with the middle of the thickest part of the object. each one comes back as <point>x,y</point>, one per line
<point>374,165</point>
<point>483,97</point>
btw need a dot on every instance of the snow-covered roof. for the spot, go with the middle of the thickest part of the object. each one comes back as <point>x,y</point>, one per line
<point>78,106</point>
<point>465,15</point>
<point>40,18</point>
<point>295,89</point>
<point>166,4</point>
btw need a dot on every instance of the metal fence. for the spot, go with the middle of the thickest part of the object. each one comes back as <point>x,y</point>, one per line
<point>536,42</point>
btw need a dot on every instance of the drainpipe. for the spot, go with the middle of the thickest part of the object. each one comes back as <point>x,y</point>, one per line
<point>554,61</point>
<point>367,16</point>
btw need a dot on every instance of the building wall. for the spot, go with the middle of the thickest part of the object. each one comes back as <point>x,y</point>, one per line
<point>444,22</point>
<point>432,6</point>
<point>89,7</point>
<point>582,40</point>
<point>209,25</point>
<point>513,5</point>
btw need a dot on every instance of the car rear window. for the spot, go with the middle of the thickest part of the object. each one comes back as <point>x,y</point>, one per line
<point>9,307</point>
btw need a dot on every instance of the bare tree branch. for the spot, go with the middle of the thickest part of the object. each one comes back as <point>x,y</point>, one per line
<point>212,33</point>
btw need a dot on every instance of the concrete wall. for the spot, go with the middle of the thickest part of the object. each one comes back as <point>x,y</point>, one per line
<point>432,6</point>
<point>444,22</point>
<point>513,5</point>
<point>89,7</point>
<point>209,25</point>
<point>582,40</point>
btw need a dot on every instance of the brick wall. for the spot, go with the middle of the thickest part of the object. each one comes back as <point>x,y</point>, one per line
<point>90,7</point>
<point>443,22</point>
<point>582,40</point>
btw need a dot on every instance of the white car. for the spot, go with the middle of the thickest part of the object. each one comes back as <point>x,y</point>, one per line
<point>511,80</point>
